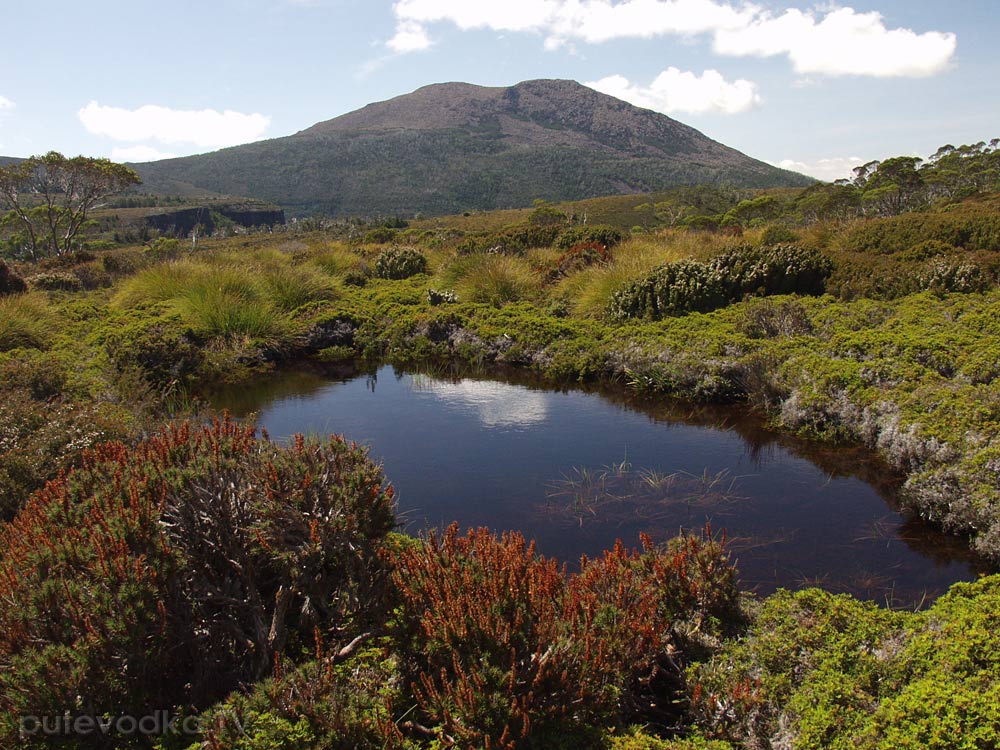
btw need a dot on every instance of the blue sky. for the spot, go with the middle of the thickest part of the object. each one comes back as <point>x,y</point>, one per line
<point>815,86</point>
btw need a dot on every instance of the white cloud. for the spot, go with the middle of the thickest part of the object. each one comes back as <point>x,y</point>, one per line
<point>138,153</point>
<point>5,104</point>
<point>512,15</point>
<point>843,42</point>
<point>827,170</point>
<point>597,21</point>
<point>674,90</point>
<point>410,37</point>
<point>830,41</point>
<point>205,128</point>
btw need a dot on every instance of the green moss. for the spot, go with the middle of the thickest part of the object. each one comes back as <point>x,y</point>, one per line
<point>824,671</point>
<point>638,740</point>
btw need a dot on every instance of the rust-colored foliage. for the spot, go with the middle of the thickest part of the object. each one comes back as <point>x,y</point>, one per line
<point>504,650</point>
<point>484,634</point>
<point>175,570</point>
<point>577,257</point>
<point>10,282</point>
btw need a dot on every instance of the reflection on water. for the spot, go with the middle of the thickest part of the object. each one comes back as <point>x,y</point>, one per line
<point>576,470</point>
<point>495,404</point>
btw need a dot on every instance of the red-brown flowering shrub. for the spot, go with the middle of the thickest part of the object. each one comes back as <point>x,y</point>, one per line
<point>578,257</point>
<point>10,282</point>
<point>503,650</point>
<point>178,570</point>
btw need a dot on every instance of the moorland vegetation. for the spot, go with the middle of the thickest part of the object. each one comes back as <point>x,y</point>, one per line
<point>262,587</point>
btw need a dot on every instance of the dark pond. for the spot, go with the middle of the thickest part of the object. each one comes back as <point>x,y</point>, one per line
<point>575,470</point>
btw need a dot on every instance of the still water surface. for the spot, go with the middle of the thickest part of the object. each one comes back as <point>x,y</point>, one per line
<point>575,470</point>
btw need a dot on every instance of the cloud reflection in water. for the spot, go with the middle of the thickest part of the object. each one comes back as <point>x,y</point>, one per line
<point>497,405</point>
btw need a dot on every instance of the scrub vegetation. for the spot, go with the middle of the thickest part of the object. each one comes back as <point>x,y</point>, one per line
<point>153,554</point>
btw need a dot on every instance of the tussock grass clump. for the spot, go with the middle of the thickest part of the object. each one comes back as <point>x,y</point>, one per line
<point>159,283</point>
<point>497,280</point>
<point>337,261</point>
<point>291,287</point>
<point>590,291</point>
<point>220,298</point>
<point>25,322</point>
<point>221,313</point>
<point>697,245</point>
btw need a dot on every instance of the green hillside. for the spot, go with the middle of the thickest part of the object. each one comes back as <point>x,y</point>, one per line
<point>453,147</point>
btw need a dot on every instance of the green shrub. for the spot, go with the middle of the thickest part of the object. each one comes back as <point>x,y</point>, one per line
<point>161,349</point>
<point>928,249</point>
<point>674,289</point>
<point>92,276</point>
<point>778,234</point>
<point>692,286</point>
<point>804,646</point>
<point>820,671</point>
<point>43,429</point>
<point>163,249</point>
<point>602,234</point>
<point>943,276</point>
<point>124,262</point>
<point>510,241</point>
<point>701,223</point>
<point>639,740</point>
<point>380,236</point>
<point>191,562</point>
<point>400,263</point>
<point>943,687</point>
<point>327,704</point>
<point>766,319</point>
<point>969,227</point>
<point>56,281</point>
<point>545,216</point>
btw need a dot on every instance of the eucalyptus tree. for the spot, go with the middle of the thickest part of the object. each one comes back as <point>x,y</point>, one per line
<point>50,198</point>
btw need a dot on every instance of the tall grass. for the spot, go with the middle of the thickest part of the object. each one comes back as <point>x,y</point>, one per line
<point>229,295</point>
<point>337,261</point>
<point>291,287</point>
<point>160,283</point>
<point>589,291</point>
<point>684,243</point>
<point>25,322</point>
<point>217,312</point>
<point>496,280</point>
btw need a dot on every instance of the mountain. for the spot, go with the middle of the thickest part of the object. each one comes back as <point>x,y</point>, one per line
<point>452,147</point>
